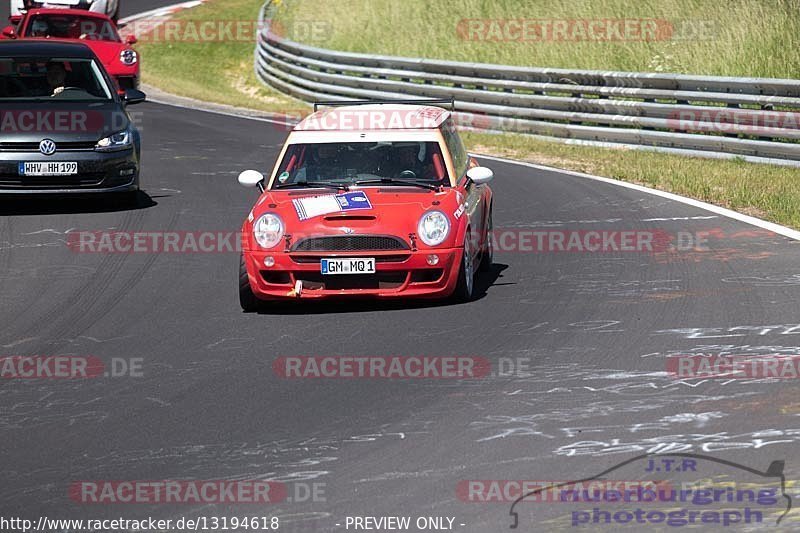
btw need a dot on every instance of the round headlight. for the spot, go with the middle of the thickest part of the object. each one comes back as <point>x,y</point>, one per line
<point>128,57</point>
<point>433,228</point>
<point>268,230</point>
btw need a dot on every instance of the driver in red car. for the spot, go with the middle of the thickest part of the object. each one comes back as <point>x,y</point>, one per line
<point>407,158</point>
<point>40,28</point>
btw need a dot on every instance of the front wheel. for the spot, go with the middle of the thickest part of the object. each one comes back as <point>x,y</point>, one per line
<point>247,299</point>
<point>465,288</point>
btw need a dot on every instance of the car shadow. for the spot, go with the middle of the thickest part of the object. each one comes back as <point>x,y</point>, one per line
<point>22,205</point>
<point>483,282</point>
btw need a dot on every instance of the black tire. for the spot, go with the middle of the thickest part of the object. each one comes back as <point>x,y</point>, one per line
<point>248,300</point>
<point>487,256</point>
<point>465,288</point>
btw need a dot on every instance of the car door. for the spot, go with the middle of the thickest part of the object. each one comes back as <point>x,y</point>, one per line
<point>474,202</point>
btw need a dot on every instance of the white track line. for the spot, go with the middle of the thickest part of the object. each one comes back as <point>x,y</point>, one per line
<point>753,221</point>
<point>160,11</point>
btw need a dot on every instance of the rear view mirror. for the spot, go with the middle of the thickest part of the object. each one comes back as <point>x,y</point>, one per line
<point>134,96</point>
<point>480,175</point>
<point>251,178</point>
<point>131,39</point>
<point>9,32</point>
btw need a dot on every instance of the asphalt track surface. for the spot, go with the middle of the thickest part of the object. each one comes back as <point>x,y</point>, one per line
<point>595,329</point>
<point>127,7</point>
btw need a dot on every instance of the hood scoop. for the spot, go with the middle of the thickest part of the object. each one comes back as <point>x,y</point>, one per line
<point>349,218</point>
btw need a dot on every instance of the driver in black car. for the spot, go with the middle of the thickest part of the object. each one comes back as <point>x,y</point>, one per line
<point>56,77</point>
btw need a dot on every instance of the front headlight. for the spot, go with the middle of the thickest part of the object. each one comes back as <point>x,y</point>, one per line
<point>128,57</point>
<point>118,141</point>
<point>433,228</point>
<point>268,230</point>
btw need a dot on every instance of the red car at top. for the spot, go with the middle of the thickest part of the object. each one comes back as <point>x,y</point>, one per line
<point>96,30</point>
<point>367,199</point>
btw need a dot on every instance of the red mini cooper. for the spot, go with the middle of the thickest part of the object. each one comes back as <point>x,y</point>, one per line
<point>368,199</point>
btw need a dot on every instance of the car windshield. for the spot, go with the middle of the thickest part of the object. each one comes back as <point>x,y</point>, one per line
<point>352,162</point>
<point>52,79</point>
<point>71,27</point>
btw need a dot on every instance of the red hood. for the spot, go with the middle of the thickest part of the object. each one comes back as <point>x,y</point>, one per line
<point>108,52</point>
<point>394,211</point>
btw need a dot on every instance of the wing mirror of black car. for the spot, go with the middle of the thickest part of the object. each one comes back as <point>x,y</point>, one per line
<point>134,96</point>
<point>9,32</point>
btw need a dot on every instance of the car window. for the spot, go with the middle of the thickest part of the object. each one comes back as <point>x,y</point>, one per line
<point>71,27</point>
<point>348,162</point>
<point>456,147</point>
<point>62,79</point>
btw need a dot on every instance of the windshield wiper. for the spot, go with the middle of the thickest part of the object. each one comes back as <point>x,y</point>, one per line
<point>311,184</point>
<point>392,181</point>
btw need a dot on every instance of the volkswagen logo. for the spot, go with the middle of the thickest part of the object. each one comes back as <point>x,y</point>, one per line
<point>47,147</point>
<point>347,230</point>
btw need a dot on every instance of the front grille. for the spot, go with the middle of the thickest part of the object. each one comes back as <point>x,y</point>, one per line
<point>307,259</point>
<point>350,243</point>
<point>56,182</point>
<point>34,146</point>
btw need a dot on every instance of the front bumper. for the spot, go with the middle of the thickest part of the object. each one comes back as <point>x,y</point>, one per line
<point>98,172</point>
<point>399,274</point>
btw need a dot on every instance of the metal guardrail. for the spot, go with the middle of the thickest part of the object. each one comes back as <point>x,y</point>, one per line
<point>756,119</point>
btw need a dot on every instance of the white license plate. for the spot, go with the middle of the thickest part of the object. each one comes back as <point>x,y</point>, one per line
<point>345,265</point>
<point>48,169</point>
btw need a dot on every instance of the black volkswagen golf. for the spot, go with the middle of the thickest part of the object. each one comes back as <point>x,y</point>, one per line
<point>63,127</point>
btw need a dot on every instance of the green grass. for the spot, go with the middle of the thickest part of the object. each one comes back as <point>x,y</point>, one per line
<point>765,191</point>
<point>711,37</point>
<point>222,72</point>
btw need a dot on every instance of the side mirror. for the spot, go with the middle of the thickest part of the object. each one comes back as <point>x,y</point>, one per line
<point>131,39</point>
<point>9,32</point>
<point>134,96</point>
<point>480,175</point>
<point>251,178</point>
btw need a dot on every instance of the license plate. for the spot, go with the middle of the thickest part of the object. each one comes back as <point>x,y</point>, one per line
<point>48,169</point>
<point>348,266</point>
